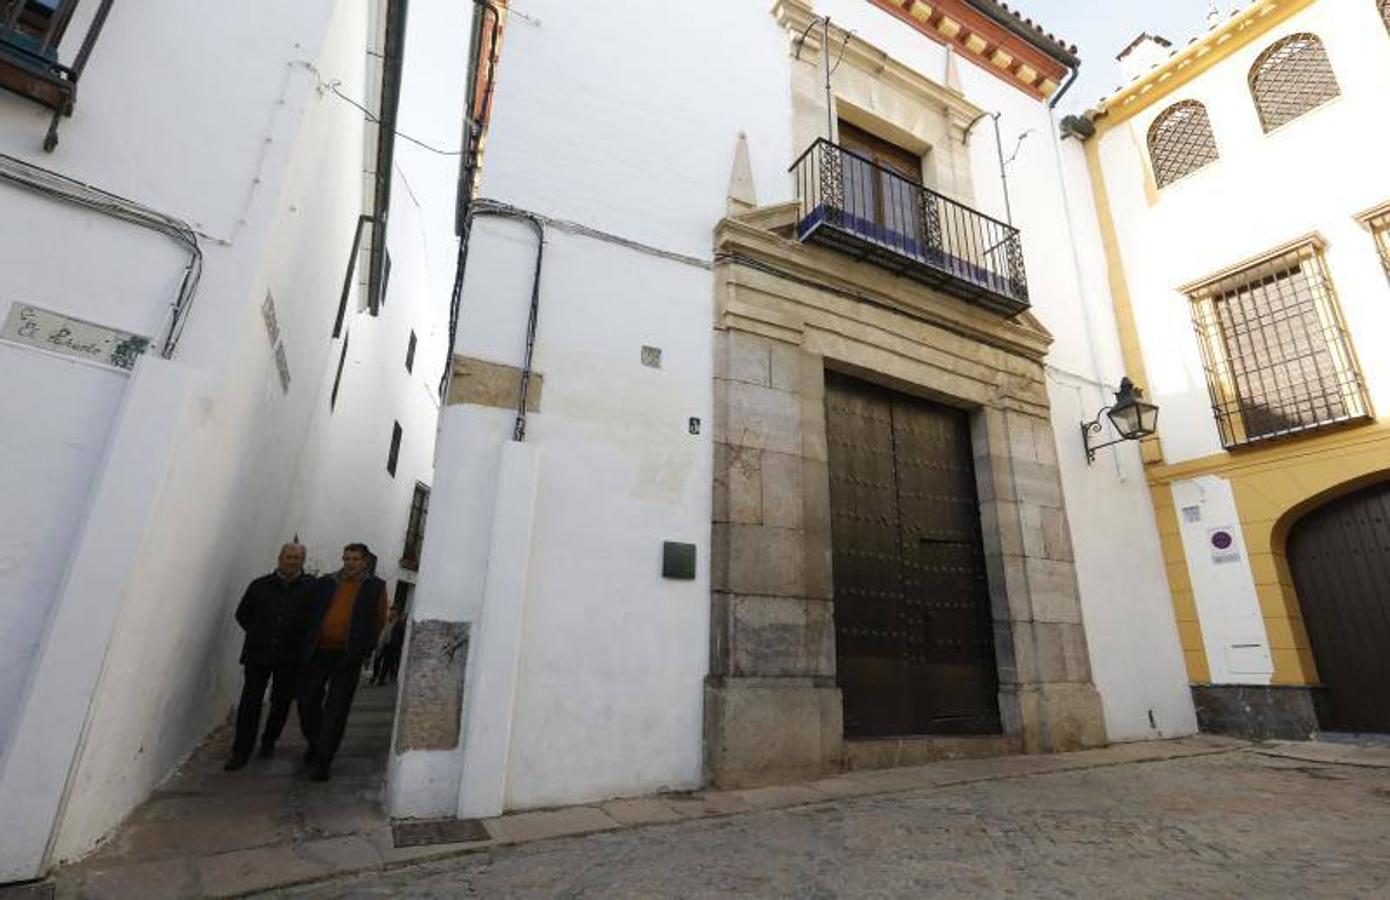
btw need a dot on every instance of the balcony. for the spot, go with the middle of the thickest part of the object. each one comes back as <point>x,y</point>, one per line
<point>863,209</point>
<point>30,34</point>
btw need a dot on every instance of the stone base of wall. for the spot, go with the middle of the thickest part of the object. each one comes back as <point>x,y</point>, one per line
<point>762,731</point>
<point>888,753</point>
<point>1053,718</point>
<point>1256,712</point>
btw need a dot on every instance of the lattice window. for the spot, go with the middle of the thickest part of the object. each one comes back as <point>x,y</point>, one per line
<point>1278,359</point>
<point>1290,78</point>
<point>1380,230</point>
<point>1181,142</point>
<point>1384,7</point>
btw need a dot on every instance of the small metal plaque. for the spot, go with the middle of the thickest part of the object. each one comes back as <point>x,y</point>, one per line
<point>428,832</point>
<point>34,326</point>
<point>678,560</point>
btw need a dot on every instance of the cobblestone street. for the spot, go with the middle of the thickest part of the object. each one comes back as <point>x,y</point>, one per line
<point>1238,823</point>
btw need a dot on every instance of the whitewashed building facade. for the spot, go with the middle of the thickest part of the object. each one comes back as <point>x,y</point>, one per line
<point>1243,192</point>
<point>656,461</point>
<point>198,202</point>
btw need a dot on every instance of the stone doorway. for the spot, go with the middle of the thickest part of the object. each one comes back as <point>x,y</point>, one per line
<point>789,316</point>
<point>914,638</point>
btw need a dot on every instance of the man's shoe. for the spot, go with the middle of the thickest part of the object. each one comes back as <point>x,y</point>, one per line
<point>267,751</point>
<point>320,772</point>
<point>236,762</point>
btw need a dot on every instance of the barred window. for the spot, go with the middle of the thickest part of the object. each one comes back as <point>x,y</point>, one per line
<point>1181,142</point>
<point>415,527</point>
<point>1277,356</point>
<point>1290,78</point>
<point>1379,223</point>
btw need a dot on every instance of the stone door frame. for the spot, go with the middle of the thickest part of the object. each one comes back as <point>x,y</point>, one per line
<point>785,313</point>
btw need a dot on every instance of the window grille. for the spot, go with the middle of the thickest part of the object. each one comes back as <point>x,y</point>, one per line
<point>1384,7</point>
<point>1380,228</point>
<point>1181,142</point>
<point>1290,78</point>
<point>415,527</point>
<point>1277,356</point>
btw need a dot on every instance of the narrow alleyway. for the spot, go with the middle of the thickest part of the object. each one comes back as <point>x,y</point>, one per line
<point>210,832</point>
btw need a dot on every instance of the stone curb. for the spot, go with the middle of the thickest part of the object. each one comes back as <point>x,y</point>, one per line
<point>536,826</point>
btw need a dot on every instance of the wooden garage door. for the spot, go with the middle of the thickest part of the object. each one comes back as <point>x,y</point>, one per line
<point>1340,556</point>
<point>913,632</point>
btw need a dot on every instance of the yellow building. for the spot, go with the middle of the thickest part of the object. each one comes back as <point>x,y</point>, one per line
<point>1243,195</point>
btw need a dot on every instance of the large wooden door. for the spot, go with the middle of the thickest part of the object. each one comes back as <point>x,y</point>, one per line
<point>913,632</point>
<point>1340,557</point>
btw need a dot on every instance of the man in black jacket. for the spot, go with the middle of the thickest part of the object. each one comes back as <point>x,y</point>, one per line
<point>274,612</point>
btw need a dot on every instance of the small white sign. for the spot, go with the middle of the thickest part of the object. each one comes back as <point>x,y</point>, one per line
<point>34,326</point>
<point>1223,545</point>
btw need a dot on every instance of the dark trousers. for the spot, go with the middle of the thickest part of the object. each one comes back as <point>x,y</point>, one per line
<point>326,688</point>
<point>282,681</point>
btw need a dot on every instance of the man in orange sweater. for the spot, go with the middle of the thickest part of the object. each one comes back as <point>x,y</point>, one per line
<point>346,618</point>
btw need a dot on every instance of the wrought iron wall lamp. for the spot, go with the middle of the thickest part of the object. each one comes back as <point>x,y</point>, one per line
<point>1132,417</point>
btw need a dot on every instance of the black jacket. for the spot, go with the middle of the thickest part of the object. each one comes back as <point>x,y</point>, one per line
<point>368,615</point>
<point>274,614</point>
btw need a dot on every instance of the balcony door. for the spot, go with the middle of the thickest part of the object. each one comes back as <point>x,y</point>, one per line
<point>882,184</point>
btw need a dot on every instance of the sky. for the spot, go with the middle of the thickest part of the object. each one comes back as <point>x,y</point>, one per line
<point>1102,28</point>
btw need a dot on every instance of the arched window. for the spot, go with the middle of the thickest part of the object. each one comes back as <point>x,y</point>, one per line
<point>1290,78</point>
<point>1181,142</point>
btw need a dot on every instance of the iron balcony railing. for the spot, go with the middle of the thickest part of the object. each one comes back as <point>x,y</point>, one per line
<point>30,34</point>
<point>855,205</point>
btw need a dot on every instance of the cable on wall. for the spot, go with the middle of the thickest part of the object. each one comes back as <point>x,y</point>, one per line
<point>501,210</point>
<point>58,187</point>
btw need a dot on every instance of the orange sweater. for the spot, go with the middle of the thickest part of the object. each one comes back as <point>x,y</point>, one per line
<point>338,620</point>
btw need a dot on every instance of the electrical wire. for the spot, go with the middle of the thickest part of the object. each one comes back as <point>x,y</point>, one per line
<point>48,183</point>
<point>372,117</point>
<point>500,210</point>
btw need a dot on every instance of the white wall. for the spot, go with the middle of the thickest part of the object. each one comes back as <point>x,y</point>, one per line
<point>194,490</point>
<point>342,491</point>
<point>1313,174</point>
<point>637,140</point>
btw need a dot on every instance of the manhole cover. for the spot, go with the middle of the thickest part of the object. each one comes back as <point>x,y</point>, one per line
<point>426,832</point>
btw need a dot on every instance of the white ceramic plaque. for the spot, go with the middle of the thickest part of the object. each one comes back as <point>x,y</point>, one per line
<point>34,326</point>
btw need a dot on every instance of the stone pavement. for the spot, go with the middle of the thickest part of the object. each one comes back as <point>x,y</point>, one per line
<point>1229,824</point>
<point>984,826</point>
<point>207,832</point>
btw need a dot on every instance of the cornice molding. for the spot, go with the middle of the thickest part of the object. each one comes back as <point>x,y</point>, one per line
<point>977,37</point>
<point>1022,336</point>
<point>1191,61</point>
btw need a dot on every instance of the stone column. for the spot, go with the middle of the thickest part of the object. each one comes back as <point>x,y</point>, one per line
<point>1046,697</point>
<point>772,711</point>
